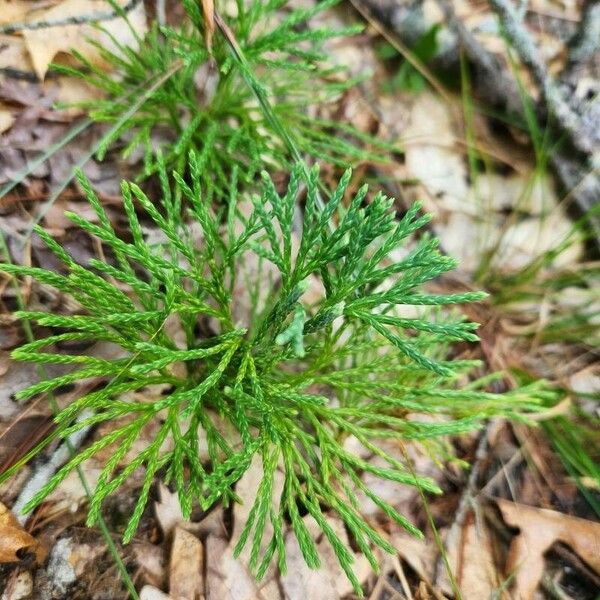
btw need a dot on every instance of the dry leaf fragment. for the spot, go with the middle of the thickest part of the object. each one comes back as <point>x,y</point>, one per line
<point>418,554</point>
<point>539,530</point>
<point>329,581</point>
<point>149,592</point>
<point>246,491</point>
<point>168,515</point>
<point>13,537</point>
<point>302,581</point>
<point>13,53</point>
<point>44,44</point>
<point>13,10</point>
<point>470,556</point>
<point>151,561</point>
<point>167,510</point>
<point>7,118</point>
<point>186,581</point>
<point>226,577</point>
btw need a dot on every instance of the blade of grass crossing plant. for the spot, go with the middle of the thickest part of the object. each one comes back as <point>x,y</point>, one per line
<point>101,523</point>
<point>260,94</point>
<point>99,148</point>
<point>570,444</point>
<point>403,50</point>
<point>36,162</point>
<point>436,534</point>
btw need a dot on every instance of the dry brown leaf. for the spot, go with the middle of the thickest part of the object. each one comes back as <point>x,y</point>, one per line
<point>13,11</point>
<point>186,580</point>
<point>151,560</point>
<point>70,494</point>
<point>13,53</point>
<point>208,12</point>
<point>83,556</point>
<point>7,118</point>
<point>470,556</point>
<point>13,537</point>
<point>418,554</point>
<point>226,577</point>
<point>167,510</point>
<point>471,219</point>
<point>539,530</point>
<point>168,515</point>
<point>328,582</point>
<point>302,581</point>
<point>44,44</point>
<point>586,381</point>
<point>149,592</point>
<point>246,491</point>
<point>19,436</point>
<point>71,91</point>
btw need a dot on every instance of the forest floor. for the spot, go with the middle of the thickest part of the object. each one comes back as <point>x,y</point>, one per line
<point>520,513</point>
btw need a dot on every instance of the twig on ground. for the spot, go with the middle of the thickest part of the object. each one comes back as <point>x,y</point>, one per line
<point>466,500</point>
<point>576,170</point>
<point>497,83</point>
<point>402,577</point>
<point>586,41</point>
<point>400,47</point>
<point>161,12</point>
<point>526,49</point>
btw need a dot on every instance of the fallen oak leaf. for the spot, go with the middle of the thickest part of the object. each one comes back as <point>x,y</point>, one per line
<point>43,44</point>
<point>539,529</point>
<point>13,10</point>
<point>470,555</point>
<point>14,538</point>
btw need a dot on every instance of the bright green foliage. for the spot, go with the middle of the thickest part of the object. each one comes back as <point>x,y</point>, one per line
<point>291,385</point>
<point>206,105</point>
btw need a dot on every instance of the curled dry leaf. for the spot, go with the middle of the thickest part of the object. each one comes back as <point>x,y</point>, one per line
<point>14,538</point>
<point>539,530</point>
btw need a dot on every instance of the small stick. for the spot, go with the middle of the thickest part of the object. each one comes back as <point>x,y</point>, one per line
<point>528,53</point>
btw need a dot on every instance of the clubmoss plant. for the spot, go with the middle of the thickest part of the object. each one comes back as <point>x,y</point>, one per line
<point>205,103</point>
<point>291,385</point>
